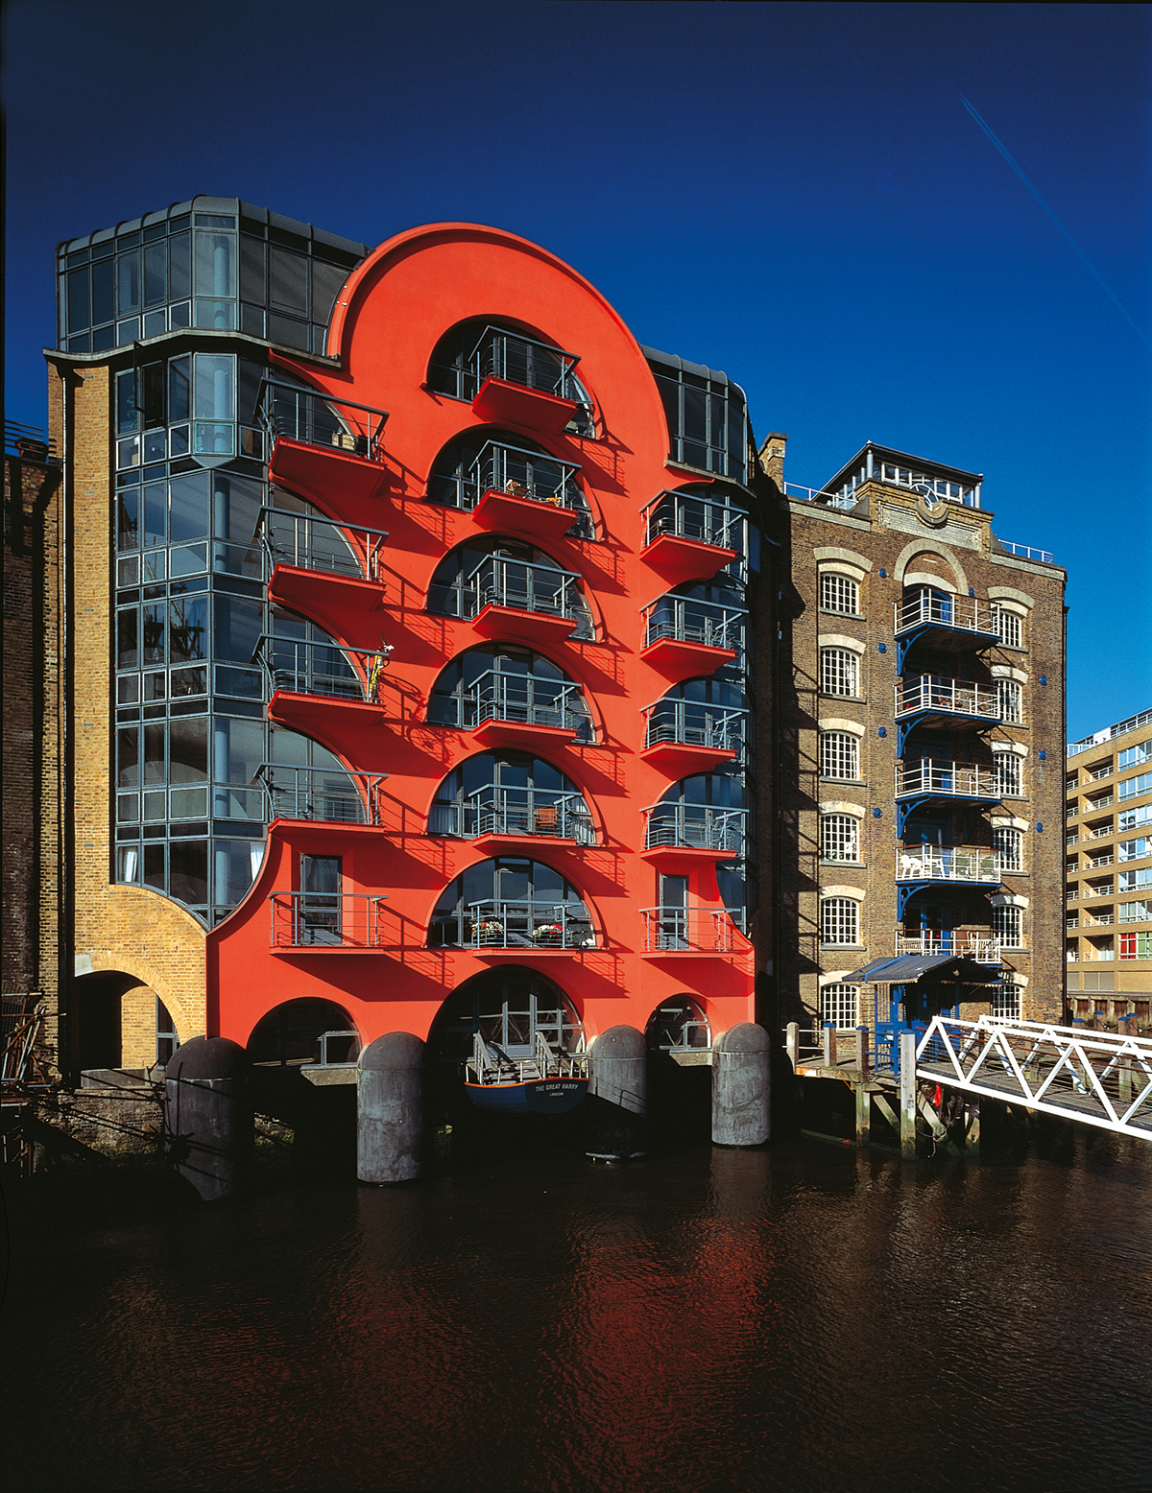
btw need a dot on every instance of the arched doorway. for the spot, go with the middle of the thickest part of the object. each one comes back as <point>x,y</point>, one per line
<point>305,1033</point>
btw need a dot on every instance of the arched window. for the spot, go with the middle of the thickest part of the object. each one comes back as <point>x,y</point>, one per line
<point>495,571</point>
<point>839,593</point>
<point>511,902</point>
<point>1007,925</point>
<point>706,810</point>
<point>839,1004</point>
<point>839,920</point>
<point>491,459</point>
<point>839,672</point>
<point>505,683</point>
<point>477,349</point>
<point>1006,769</point>
<point>1006,999</point>
<point>1008,695</point>
<point>839,837</point>
<point>1008,625</point>
<point>1009,844</point>
<point>840,755</point>
<point>510,793</point>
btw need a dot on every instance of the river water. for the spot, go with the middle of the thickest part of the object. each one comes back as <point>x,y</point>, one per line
<point>801,1318</point>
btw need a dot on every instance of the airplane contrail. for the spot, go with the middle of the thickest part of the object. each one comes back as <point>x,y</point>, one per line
<point>1020,173</point>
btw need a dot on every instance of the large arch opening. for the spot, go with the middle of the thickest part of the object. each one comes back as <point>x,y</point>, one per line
<point>304,1033</point>
<point>493,570</point>
<point>511,902</point>
<point>119,1022</point>
<point>503,682</point>
<point>678,1036</point>
<point>510,793</point>
<point>484,347</point>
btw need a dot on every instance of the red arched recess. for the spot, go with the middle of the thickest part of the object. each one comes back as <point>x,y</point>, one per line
<point>340,912</point>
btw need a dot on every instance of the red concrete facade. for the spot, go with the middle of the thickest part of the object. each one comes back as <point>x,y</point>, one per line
<point>383,972</point>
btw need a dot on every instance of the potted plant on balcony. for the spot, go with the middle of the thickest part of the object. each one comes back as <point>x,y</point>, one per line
<point>489,931</point>
<point>548,933</point>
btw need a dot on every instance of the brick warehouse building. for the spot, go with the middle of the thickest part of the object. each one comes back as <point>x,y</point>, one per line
<point>427,667</point>
<point>922,792</point>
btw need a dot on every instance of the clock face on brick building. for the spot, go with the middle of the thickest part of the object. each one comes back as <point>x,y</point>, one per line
<point>931,509</point>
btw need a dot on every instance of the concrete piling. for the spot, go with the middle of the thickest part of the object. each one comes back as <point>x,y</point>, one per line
<point>618,1094</point>
<point>208,1116</point>
<point>741,1087</point>
<point>390,1109</point>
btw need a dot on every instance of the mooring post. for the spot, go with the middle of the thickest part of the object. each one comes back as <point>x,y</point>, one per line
<point>829,1044</point>
<point>862,1050</point>
<point>1126,1026</point>
<point>208,1132</point>
<point>863,1111</point>
<point>908,1095</point>
<point>741,1086</point>
<point>792,1043</point>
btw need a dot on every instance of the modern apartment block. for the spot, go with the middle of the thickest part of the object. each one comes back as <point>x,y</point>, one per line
<point>923,730</point>
<point>1108,866</point>
<point>410,616</point>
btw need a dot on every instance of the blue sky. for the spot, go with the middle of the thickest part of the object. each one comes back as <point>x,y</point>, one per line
<point>793,193</point>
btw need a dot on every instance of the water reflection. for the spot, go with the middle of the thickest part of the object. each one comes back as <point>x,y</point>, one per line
<point>792,1319</point>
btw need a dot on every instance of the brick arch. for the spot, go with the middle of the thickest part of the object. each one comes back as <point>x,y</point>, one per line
<point>917,547</point>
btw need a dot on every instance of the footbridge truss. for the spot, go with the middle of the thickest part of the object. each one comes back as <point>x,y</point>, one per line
<point>1098,1078</point>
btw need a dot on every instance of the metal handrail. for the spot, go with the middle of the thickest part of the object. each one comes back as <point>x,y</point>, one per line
<point>942,609</point>
<point>686,620</point>
<point>529,923</point>
<point>938,776</point>
<point>500,809</point>
<point>361,558</point>
<point>949,863</point>
<point>984,948</point>
<point>690,723</point>
<point>704,930</point>
<point>311,794</point>
<point>317,419</point>
<point>526,586</point>
<point>326,920</point>
<point>316,668</point>
<point>696,826</point>
<point>950,696</point>
<point>526,361</point>
<point>689,516</point>
<point>527,700</point>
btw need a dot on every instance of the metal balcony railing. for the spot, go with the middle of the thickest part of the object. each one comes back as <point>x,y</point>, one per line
<point>316,668</point>
<point>1099,956</point>
<point>326,920</point>
<point>1026,552</point>
<point>497,809</point>
<point>687,723</point>
<point>686,620</point>
<point>312,542</point>
<point>525,587</point>
<point>933,608</point>
<point>527,923</point>
<point>686,516</point>
<point>700,930</point>
<point>1098,891</point>
<point>984,948</point>
<point>941,778</point>
<point>949,696</point>
<point>948,863</point>
<point>319,420</point>
<point>526,699</point>
<point>319,793</point>
<point>695,826</point>
<point>523,360</point>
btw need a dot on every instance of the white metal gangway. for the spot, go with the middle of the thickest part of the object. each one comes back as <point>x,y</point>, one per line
<point>1098,1078</point>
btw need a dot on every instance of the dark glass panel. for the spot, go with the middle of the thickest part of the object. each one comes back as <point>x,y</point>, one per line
<point>155,278</point>
<point>188,629</point>
<point>238,623</point>
<point>284,330</point>
<point>188,750</point>
<point>155,504</point>
<point>103,291</point>
<point>189,873</point>
<point>152,382</point>
<point>127,641</point>
<point>215,267</point>
<point>189,510</point>
<point>128,266</point>
<point>179,274</point>
<point>78,302</point>
<point>152,626</point>
<point>127,415</point>
<point>154,754</point>
<point>179,389</point>
<point>128,757</point>
<point>154,866</point>
<point>326,282</point>
<point>252,270</point>
<point>287,280</point>
<point>128,519</point>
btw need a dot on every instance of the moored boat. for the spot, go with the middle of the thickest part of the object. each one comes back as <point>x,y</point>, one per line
<point>548,1083</point>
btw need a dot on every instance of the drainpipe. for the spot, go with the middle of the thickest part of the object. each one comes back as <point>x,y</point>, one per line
<point>65,815</point>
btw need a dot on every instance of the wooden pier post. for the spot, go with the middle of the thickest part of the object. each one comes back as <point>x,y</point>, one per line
<point>908,1095</point>
<point>862,1050</point>
<point>1126,1026</point>
<point>863,1111</point>
<point>829,1045</point>
<point>792,1043</point>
